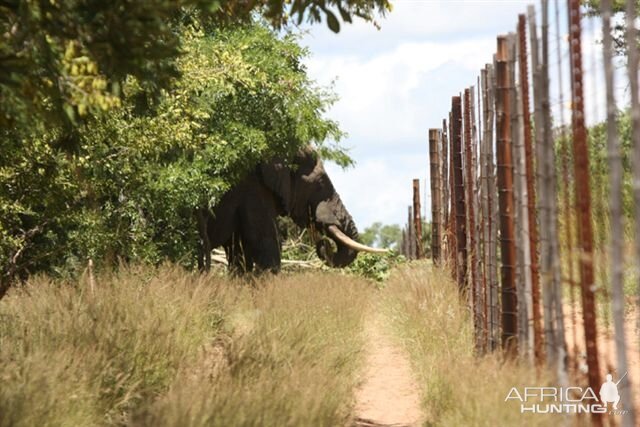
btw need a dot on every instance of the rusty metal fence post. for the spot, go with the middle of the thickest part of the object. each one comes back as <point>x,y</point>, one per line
<point>453,233</point>
<point>484,205</point>
<point>459,193</point>
<point>492,202</point>
<point>479,283</point>
<point>417,220</point>
<point>505,196</point>
<point>471,229</point>
<point>436,198</point>
<point>531,193</point>
<point>445,250</point>
<point>523,276</point>
<point>583,203</point>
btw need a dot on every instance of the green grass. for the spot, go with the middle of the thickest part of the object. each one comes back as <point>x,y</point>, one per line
<point>164,347</point>
<point>458,388</point>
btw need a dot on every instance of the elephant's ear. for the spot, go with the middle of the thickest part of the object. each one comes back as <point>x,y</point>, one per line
<point>277,177</point>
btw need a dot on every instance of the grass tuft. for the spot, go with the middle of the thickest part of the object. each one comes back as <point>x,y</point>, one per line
<point>458,387</point>
<point>166,347</point>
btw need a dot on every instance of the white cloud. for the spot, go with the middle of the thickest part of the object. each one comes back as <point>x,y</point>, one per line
<point>396,83</point>
<point>387,103</point>
<point>421,20</point>
<point>392,95</point>
<point>377,190</point>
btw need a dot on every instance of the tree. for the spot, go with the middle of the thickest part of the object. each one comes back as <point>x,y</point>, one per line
<point>63,60</point>
<point>105,155</point>
<point>130,187</point>
<point>382,236</point>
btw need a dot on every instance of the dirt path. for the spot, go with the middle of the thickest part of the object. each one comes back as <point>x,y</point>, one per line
<point>389,395</point>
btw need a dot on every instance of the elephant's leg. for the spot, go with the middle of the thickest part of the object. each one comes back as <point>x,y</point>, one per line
<point>265,248</point>
<point>248,260</point>
<point>236,255</point>
<point>244,222</point>
<point>260,231</point>
<point>204,247</point>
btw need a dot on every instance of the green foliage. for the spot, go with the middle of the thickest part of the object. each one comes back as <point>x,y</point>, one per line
<point>382,236</point>
<point>593,6</point>
<point>599,174</point>
<point>129,188</point>
<point>63,60</point>
<point>118,118</point>
<point>426,238</point>
<point>599,166</point>
<point>280,13</point>
<point>375,266</point>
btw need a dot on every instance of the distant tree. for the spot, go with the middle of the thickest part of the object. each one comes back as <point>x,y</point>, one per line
<point>370,234</point>
<point>382,236</point>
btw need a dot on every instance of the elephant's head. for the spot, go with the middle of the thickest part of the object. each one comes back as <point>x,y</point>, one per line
<point>307,195</point>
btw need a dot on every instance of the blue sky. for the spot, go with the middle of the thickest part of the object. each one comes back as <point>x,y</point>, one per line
<point>397,82</point>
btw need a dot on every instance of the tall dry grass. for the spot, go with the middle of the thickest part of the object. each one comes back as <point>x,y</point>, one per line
<point>165,347</point>
<point>459,388</point>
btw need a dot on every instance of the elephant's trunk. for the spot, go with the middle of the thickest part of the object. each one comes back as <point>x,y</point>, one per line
<point>344,237</point>
<point>342,257</point>
<point>339,256</point>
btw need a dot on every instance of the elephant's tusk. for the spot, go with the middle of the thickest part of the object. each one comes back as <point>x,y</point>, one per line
<point>347,241</point>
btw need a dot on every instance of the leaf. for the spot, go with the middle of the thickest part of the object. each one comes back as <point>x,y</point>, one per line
<point>346,17</point>
<point>332,22</point>
<point>70,112</point>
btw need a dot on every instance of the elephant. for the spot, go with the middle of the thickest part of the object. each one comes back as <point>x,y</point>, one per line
<point>244,220</point>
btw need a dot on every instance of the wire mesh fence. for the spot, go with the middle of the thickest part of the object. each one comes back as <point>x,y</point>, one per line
<point>552,204</point>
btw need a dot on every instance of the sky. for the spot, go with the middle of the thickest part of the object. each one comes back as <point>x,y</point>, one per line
<point>397,82</point>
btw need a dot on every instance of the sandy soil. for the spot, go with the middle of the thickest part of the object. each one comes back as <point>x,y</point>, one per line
<point>389,395</point>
